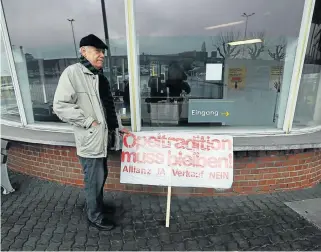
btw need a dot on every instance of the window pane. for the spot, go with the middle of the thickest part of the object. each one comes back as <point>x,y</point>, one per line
<point>308,107</point>
<point>43,44</point>
<point>9,108</point>
<point>191,74</point>
<point>115,11</point>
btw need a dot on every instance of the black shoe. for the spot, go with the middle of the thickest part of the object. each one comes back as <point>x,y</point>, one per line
<point>104,224</point>
<point>112,210</point>
<point>109,209</point>
<point>106,209</point>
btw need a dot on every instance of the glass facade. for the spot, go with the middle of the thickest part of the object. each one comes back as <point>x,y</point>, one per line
<point>308,107</point>
<point>49,42</point>
<point>9,108</point>
<point>209,63</point>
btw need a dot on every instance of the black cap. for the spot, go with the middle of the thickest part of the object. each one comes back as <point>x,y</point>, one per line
<point>92,40</point>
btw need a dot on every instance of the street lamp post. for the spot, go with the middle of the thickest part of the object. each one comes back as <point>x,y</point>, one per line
<point>73,35</point>
<point>247,19</point>
<point>246,22</point>
<point>103,9</point>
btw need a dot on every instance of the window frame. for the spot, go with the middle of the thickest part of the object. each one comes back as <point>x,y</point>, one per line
<point>298,65</point>
<point>7,45</point>
<point>288,116</point>
<point>134,77</point>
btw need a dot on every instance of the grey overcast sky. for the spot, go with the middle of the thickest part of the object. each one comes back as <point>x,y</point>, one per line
<point>41,26</point>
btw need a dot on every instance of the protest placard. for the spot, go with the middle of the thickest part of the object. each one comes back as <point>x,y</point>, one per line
<point>172,159</point>
<point>184,160</point>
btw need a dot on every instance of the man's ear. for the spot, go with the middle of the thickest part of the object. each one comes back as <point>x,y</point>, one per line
<point>82,50</point>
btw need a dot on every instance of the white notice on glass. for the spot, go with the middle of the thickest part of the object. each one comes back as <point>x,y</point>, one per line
<point>214,72</point>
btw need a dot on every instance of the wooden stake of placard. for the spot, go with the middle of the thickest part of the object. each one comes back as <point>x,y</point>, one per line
<point>169,194</point>
<point>168,206</point>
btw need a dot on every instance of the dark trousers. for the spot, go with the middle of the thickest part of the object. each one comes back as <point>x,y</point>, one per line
<point>95,175</point>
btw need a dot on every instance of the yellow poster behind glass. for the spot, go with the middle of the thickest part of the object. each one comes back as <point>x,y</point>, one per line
<point>276,78</point>
<point>236,77</point>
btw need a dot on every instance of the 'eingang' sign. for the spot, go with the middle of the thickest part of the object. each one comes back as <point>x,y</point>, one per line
<point>177,159</point>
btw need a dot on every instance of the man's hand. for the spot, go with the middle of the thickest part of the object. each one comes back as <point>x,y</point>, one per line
<point>124,131</point>
<point>94,124</point>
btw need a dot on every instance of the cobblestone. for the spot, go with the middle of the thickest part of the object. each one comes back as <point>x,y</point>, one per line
<point>42,215</point>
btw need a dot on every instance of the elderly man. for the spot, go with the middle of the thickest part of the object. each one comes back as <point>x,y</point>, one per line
<point>83,98</point>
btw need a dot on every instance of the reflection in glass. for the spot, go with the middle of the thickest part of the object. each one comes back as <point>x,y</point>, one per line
<point>49,42</point>
<point>308,107</point>
<point>250,44</point>
<point>9,108</point>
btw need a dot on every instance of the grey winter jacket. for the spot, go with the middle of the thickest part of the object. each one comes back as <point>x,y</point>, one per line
<point>78,103</point>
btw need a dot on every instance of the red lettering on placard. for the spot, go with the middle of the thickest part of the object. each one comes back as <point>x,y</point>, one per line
<point>134,169</point>
<point>161,172</point>
<point>187,173</point>
<point>185,152</point>
<point>142,157</point>
<point>179,159</point>
<point>219,175</point>
<point>196,160</point>
<point>195,143</point>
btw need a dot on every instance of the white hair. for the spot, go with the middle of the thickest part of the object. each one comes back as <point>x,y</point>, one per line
<point>85,47</point>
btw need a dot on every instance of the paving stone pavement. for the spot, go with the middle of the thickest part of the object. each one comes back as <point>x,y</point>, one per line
<point>43,215</point>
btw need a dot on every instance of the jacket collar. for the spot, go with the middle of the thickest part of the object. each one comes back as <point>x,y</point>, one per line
<point>85,69</point>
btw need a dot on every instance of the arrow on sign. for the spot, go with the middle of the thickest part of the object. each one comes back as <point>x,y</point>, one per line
<point>226,113</point>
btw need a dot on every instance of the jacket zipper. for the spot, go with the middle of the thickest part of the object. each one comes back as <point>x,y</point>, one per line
<point>102,110</point>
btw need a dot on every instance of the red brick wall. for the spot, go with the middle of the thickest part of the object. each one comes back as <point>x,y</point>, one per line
<point>254,171</point>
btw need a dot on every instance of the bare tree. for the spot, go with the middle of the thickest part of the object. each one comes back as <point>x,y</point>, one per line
<point>279,53</point>
<point>256,49</point>
<point>314,44</point>
<point>220,43</point>
<point>314,41</point>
